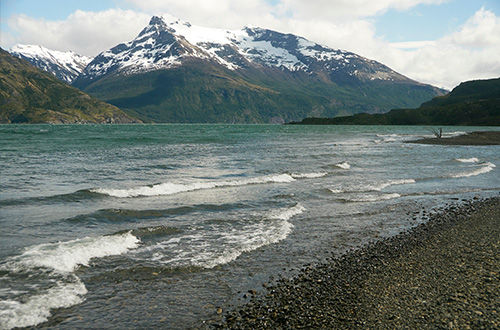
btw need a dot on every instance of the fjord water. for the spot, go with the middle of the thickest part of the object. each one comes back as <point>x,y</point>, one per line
<point>116,226</point>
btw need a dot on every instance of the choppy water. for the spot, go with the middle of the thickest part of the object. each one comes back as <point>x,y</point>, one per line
<point>161,225</point>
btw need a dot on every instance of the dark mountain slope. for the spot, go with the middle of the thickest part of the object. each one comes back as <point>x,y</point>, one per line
<point>30,95</point>
<point>176,72</point>
<point>469,104</point>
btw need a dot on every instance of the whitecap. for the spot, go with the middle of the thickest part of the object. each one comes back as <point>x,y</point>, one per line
<point>175,188</point>
<point>287,214</point>
<point>224,242</point>
<point>478,170</point>
<point>371,198</point>
<point>467,160</point>
<point>312,175</point>
<point>343,165</point>
<point>65,257</point>
<point>370,186</point>
<point>53,265</point>
<point>37,308</point>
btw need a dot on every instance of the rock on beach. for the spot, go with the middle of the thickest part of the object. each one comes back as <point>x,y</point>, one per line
<point>442,274</point>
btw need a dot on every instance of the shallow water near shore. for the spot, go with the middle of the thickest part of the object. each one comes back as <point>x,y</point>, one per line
<point>164,225</point>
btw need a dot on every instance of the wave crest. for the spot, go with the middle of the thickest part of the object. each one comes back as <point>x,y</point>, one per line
<point>169,188</point>
<point>370,187</point>
<point>481,169</point>
<point>224,243</point>
<point>53,263</point>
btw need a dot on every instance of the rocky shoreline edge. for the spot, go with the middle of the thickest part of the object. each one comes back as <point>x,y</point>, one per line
<point>442,274</point>
<point>468,139</point>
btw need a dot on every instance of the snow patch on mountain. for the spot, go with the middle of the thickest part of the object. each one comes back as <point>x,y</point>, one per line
<point>64,65</point>
<point>169,41</point>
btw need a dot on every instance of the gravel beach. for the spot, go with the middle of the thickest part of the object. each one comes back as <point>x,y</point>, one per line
<point>469,139</point>
<point>442,274</point>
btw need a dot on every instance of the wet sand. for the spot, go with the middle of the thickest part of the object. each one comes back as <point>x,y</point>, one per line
<point>469,139</point>
<point>442,274</point>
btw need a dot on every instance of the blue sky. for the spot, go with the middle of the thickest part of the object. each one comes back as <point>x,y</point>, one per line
<point>430,22</point>
<point>411,36</point>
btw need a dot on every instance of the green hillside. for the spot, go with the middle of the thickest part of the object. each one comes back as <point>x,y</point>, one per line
<point>472,103</point>
<point>30,95</point>
<point>202,92</point>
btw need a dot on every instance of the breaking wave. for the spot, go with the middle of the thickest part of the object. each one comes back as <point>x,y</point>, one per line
<point>343,165</point>
<point>309,175</point>
<point>370,187</point>
<point>175,188</point>
<point>363,198</point>
<point>467,160</point>
<point>52,263</point>
<point>478,170</point>
<point>224,243</point>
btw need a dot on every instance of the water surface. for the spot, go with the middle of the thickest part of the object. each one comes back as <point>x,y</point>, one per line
<point>120,226</point>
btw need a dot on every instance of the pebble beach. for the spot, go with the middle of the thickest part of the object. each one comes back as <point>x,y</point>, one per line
<point>442,274</point>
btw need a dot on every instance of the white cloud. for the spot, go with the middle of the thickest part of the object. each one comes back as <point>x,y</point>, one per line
<point>228,14</point>
<point>347,9</point>
<point>481,30</point>
<point>86,33</point>
<point>467,54</point>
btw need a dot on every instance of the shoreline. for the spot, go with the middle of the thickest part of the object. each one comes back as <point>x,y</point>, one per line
<point>444,273</point>
<point>468,139</point>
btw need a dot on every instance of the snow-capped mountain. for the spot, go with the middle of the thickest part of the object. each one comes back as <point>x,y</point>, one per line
<point>174,71</point>
<point>168,41</point>
<point>64,65</point>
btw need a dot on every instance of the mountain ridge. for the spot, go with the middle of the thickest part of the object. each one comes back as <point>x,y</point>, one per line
<point>31,95</point>
<point>174,71</point>
<point>471,103</point>
<point>66,66</point>
<point>166,41</point>
<point>253,75</point>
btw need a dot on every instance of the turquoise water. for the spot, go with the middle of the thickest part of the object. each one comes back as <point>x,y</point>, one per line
<point>119,226</point>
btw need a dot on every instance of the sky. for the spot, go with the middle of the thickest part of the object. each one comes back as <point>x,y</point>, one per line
<point>438,42</point>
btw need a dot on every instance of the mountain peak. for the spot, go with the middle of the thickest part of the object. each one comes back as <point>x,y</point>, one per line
<point>250,70</point>
<point>64,65</point>
<point>168,42</point>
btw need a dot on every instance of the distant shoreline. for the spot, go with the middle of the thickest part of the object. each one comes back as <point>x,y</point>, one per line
<point>469,139</point>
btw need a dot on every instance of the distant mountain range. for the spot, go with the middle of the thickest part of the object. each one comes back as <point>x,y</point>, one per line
<point>31,95</point>
<point>472,103</point>
<point>66,66</point>
<point>177,72</point>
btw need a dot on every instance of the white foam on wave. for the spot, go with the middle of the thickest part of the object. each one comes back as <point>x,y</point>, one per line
<point>478,170</point>
<point>287,214</point>
<point>37,308</point>
<point>370,187</point>
<point>467,160</point>
<point>226,242</point>
<point>371,198</point>
<point>312,175</point>
<point>65,257</point>
<point>55,262</point>
<point>343,165</point>
<point>170,188</point>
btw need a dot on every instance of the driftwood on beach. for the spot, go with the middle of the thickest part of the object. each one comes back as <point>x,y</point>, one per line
<point>469,139</point>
